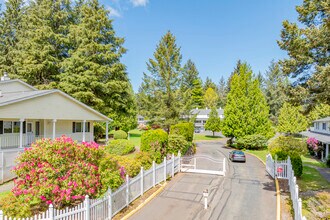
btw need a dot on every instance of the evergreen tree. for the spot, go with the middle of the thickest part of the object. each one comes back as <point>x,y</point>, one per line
<point>222,93</point>
<point>246,110</point>
<point>162,86</point>
<point>291,120</point>
<point>42,41</point>
<point>189,76</point>
<point>210,98</point>
<point>213,123</point>
<point>197,95</point>
<point>307,45</point>
<point>93,72</point>
<point>319,111</point>
<point>236,71</point>
<point>276,85</point>
<point>10,24</point>
<point>209,84</point>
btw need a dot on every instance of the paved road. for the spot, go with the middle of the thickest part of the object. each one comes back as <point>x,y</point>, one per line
<point>245,193</point>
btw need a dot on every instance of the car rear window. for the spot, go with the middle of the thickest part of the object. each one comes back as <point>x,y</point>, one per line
<point>239,152</point>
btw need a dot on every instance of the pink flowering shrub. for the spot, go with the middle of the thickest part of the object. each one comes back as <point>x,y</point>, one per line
<point>61,172</point>
<point>313,144</point>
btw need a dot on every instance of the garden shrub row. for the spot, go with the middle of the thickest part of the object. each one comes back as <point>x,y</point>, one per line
<point>120,147</point>
<point>155,142</point>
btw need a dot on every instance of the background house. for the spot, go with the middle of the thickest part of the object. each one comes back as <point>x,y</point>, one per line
<point>321,132</point>
<point>201,117</point>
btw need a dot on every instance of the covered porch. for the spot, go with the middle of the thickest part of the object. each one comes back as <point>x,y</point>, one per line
<point>323,139</point>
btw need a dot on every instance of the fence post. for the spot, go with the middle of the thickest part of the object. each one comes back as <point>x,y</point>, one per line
<point>153,173</point>
<point>224,166</point>
<point>179,164</point>
<point>275,166</point>
<point>127,190</point>
<point>87,207</point>
<point>110,203</point>
<point>173,160</point>
<point>142,177</point>
<point>1,215</point>
<point>300,208</point>
<point>51,213</point>
<point>165,165</point>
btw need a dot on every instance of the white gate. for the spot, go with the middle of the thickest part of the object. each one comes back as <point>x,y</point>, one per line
<point>276,168</point>
<point>203,164</point>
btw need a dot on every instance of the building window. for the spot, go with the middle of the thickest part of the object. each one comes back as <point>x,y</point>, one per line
<point>10,127</point>
<point>78,127</point>
<point>198,121</point>
<point>324,126</point>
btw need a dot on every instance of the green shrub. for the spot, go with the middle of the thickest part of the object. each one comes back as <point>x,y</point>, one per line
<point>296,164</point>
<point>145,159</point>
<point>132,167</point>
<point>185,129</point>
<point>99,131</point>
<point>328,161</point>
<point>111,175</point>
<point>288,144</point>
<point>13,207</point>
<point>177,143</point>
<point>253,142</point>
<point>155,142</point>
<point>120,147</point>
<point>120,134</point>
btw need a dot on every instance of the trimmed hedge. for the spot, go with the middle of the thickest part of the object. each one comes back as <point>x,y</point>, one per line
<point>155,142</point>
<point>253,142</point>
<point>120,134</point>
<point>185,129</point>
<point>120,147</point>
<point>177,143</point>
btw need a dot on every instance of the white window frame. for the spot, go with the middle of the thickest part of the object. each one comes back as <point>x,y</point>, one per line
<point>12,127</point>
<point>81,127</point>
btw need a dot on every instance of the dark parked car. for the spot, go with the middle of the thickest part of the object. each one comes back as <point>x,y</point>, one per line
<point>237,155</point>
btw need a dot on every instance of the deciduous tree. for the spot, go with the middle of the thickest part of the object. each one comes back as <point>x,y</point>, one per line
<point>210,98</point>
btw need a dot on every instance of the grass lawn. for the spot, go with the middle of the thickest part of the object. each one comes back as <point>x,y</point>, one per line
<point>201,137</point>
<point>261,154</point>
<point>135,137</point>
<point>311,179</point>
<point>308,159</point>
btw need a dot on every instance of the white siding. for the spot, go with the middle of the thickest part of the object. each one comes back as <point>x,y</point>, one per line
<point>14,86</point>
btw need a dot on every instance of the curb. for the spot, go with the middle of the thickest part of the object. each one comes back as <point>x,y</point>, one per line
<point>145,202</point>
<point>278,194</point>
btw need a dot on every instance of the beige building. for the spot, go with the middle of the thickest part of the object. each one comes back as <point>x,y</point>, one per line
<point>27,114</point>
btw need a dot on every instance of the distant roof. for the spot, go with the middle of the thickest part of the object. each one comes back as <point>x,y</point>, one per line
<point>205,111</point>
<point>323,119</point>
<point>318,136</point>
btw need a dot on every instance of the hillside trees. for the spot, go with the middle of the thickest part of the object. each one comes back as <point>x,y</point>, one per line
<point>160,90</point>
<point>246,110</point>
<point>307,45</point>
<point>213,123</point>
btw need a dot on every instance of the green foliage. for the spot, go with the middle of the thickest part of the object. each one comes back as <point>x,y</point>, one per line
<point>246,111</point>
<point>253,142</point>
<point>119,134</point>
<point>288,144</point>
<point>210,98</point>
<point>131,165</point>
<point>209,84</point>
<point>177,143</point>
<point>296,164</point>
<point>276,89</point>
<point>328,161</point>
<point>99,130</point>
<point>110,173</point>
<point>13,207</point>
<point>185,129</point>
<point>145,159</point>
<point>222,93</point>
<point>307,45</point>
<point>197,94</point>
<point>159,95</point>
<point>213,123</point>
<point>319,111</point>
<point>155,142</point>
<point>120,147</point>
<point>291,120</point>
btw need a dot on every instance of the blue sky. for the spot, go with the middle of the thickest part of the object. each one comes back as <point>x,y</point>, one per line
<point>213,33</point>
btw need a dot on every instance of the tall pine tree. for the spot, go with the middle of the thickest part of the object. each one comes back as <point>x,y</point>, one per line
<point>246,111</point>
<point>222,93</point>
<point>93,72</point>
<point>161,88</point>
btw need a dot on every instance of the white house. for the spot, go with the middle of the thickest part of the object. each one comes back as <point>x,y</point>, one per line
<point>27,114</point>
<point>321,132</point>
<point>201,117</point>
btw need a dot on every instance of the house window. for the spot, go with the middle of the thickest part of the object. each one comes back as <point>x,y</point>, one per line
<point>78,127</point>
<point>324,126</point>
<point>317,125</point>
<point>198,121</point>
<point>10,127</point>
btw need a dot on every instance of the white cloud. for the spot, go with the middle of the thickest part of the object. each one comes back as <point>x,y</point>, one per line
<point>137,3</point>
<point>114,12</point>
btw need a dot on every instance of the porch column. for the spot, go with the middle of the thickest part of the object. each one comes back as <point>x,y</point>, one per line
<point>21,132</point>
<point>326,151</point>
<point>54,128</point>
<point>84,132</point>
<point>106,131</point>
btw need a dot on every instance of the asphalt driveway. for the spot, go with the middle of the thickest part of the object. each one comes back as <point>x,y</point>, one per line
<point>246,192</point>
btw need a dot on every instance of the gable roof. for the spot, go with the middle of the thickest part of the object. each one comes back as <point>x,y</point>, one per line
<point>19,81</point>
<point>323,119</point>
<point>12,98</point>
<point>205,111</point>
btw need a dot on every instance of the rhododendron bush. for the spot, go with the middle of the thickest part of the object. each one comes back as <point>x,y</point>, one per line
<point>61,172</point>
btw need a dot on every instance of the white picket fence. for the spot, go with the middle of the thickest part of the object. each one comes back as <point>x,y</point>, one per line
<point>111,203</point>
<point>283,170</point>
